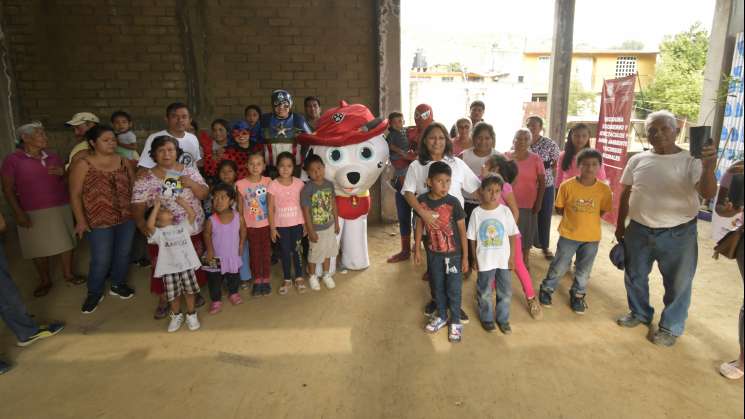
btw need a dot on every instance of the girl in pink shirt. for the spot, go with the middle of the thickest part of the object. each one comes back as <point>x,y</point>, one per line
<point>577,140</point>
<point>286,220</point>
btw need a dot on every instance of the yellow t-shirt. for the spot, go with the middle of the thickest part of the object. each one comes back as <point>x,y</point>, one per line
<point>582,206</point>
<point>83,145</point>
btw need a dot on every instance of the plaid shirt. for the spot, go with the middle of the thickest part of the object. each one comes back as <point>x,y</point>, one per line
<point>548,151</point>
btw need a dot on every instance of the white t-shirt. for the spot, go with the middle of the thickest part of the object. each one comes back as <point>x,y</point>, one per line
<point>475,163</point>
<point>663,188</point>
<point>175,251</point>
<point>491,230</point>
<point>462,178</point>
<point>188,143</point>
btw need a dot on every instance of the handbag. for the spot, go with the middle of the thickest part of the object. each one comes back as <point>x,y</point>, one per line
<point>727,245</point>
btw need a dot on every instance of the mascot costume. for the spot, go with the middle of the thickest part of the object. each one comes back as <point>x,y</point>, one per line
<point>280,129</point>
<point>351,142</point>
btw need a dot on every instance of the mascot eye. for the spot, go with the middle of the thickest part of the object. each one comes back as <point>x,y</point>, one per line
<point>335,155</point>
<point>366,153</point>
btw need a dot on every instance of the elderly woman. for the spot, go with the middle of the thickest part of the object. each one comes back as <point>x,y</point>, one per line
<point>34,187</point>
<point>661,189</point>
<point>100,194</point>
<point>154,184</point>
<point>548,151</point>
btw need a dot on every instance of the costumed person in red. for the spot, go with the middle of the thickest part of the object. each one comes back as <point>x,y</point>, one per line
<point>240,147</point>
<point>279,131</point>
<point>351,142</point>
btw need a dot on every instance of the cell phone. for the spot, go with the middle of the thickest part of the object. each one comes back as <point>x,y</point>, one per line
<point>699,136</point>
<point>736,191</point>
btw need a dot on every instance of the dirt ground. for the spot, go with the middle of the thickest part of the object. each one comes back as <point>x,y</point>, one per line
<point>359,351</point>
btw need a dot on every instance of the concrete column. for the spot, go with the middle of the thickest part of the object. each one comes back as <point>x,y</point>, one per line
<point>561,69</point>
<point>7,97</point>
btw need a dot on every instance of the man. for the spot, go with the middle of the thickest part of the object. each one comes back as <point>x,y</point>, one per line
<point>80,123</point>
<point>312,111</point>
<point>661,196</point>
<point>178,122</point>
<point>13,312</point>
<point>477,109</point>
<point>280,129</point>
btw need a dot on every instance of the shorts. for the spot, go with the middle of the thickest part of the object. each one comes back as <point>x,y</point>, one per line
<point>180,283</point>
<point>325,247</point>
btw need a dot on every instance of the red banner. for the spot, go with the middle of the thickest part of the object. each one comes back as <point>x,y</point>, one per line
<point>616,105</point>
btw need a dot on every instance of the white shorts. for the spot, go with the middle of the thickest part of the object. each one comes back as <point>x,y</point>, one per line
<point>325,247</point>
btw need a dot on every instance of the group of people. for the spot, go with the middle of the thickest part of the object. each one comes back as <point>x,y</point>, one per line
<point>217,207</point>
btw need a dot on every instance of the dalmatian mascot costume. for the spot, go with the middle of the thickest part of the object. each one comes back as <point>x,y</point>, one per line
<point>351,142</point>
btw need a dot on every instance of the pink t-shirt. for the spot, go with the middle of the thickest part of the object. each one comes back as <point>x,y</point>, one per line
<point>562,175</point>
<point>506,190</point>
<point>287,203</point>
<point>255,201</point>
<point>525,186</point>
<point>35,188</point>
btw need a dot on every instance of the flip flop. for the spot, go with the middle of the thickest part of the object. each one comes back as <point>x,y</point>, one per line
<point>76,280</point>
<point>42,289</point>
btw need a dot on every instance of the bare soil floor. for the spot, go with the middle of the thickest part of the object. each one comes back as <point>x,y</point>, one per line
<point>359,351</point>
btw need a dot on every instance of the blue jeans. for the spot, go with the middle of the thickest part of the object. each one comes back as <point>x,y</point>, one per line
<point>543,234</point>
<point>12,309</point>
<point>504,295</point>
<point>110,248</point>
<point>291,246</point>
<point>445,279</point>
<point>676,251</point>
<point>403,210</point>
<point>246,266</point>
<point>565,250</point>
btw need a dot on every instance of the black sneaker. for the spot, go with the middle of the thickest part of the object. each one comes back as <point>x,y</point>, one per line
<point>577,302</point>
<point>505,328</point>
<point>266,289</point>
<point>198,300</point>
<point>630,320</point>
<point>91,303</point>
<point>464,317</point>
<point>256,290</point>
<point>144,262</point>
<point>544,297</point>
<point>123,291</point>
<point>489,326</point>
<point>44,332</point>
<point>4,367</point>
<point>430,308</point>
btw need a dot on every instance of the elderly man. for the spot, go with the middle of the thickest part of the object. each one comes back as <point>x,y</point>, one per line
<point>80,123</point>
<point>661,196</point>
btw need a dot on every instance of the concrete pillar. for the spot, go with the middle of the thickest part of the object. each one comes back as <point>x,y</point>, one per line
<point>7,98</point>
<point>561,69</point>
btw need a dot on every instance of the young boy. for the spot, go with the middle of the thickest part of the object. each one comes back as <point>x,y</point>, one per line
<point>447,256</point>
<point>490,226</point>
<point>126,140</point>
<point>177,261</point>
<point>401,156</point>
<point>581,201</point>
<point>319,210</point>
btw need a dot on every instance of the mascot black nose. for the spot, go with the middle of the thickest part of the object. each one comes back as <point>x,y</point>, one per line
<point>353,177</point>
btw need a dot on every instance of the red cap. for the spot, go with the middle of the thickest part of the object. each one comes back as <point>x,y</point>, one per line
<point>345,125</point>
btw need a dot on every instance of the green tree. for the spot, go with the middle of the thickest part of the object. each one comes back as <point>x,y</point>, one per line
<point>680,74</point>
<point>456,66</point>
<point>581,101</point>
<point>630,44</point>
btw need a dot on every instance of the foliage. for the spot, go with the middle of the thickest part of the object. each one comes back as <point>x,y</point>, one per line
<point>581,101</point>
<point>630,45</point>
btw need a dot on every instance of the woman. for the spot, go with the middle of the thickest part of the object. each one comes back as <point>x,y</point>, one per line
<point>548,151</point>
<point>213,147</point>
<point>724,208</point>
<point>528,188</point>
<point>577,140</point>
<point>100,194</point>
<point>165,152</point>
<point>436,146</point>
<point>34,187</point>
<point>463,140</point>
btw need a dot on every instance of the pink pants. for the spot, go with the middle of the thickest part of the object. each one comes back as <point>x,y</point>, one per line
<point>522,272</point>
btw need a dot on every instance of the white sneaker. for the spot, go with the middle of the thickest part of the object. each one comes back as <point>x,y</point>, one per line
<point>192,321</point>
<point>176,321</point>
<point>328,280</point>
<point>314,284</point>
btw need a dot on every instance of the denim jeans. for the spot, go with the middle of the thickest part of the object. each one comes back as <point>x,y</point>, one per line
<point>246,266</point>
<point>484,285</point>
<point>290,243</point>
<point>445,278</point>
<point>12,309</point>
<point>543,234</point>
<point>565,250</point>
<point>110,248</point>
<point>675,250</point>
<point>403,210</point>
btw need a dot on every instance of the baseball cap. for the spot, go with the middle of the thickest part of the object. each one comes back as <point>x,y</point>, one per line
<point>81,118</point>
<point>617,256</point>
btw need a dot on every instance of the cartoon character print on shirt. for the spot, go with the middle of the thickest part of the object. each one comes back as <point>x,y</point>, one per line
<point>257,203</point>
<point>171,187</point>
<point>320,209</point>
<point>491,234</point>
<point>442,238</point>
<point>584,205</point>
<point>186,159</point>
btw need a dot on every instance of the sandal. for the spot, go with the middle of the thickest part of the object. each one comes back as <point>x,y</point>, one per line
<point>731,370</point>
<point>300,285</point>
<point>285,288</point>
<point>43,289</point>
<point>76,280</point>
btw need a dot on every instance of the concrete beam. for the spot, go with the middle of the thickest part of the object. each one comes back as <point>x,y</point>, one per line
<point>8,114</point>
<point>561,69</point>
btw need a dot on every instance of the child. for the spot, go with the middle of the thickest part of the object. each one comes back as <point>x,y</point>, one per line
<point>507,169</point>
<point>177,261</point>
<point>401,156</point>
<point>252,114</point>
<point>224,237</point>
<point>491,223</point>
<point>255,209</point>
<point>319,210</point>
<point>286,220</point>
<point>447,255</point>
<point>581,201</point>
<point>126,140</point>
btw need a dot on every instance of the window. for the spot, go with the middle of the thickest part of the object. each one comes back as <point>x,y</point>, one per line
<point>537,97</point>
<point>625,66</point>
<point>447,79</point>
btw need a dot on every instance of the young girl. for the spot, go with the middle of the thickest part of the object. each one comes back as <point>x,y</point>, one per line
<point>252,114</point>
<point>528,188</point>
<point>578,139</point>
<point>255,209</point>
<point>286,220</point>
<point>507,169</point>
<point>177,260</point>
<point>224,237</point>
